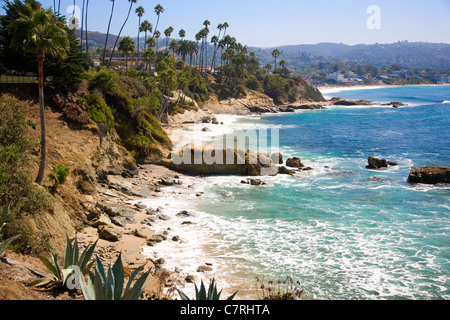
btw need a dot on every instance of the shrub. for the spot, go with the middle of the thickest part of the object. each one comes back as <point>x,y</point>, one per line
<point>7,242</point>
<point>59,175</point>
<point>98,110</point>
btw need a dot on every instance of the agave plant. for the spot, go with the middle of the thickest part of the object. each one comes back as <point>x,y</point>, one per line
<point>5,244</point>
<point>71,260</point>
<point>108,285</point>
<point>201,294</point>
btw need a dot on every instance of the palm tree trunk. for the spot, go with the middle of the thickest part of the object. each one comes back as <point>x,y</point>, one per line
<point>87,42</point>
<point>145,40</point>
<point>40,176</point>
<point>126,63</point>
<point>139,31</point>
<point>107,32</point>
<point>59,6</point>
<point>120,32</point>
<point>82,22</point>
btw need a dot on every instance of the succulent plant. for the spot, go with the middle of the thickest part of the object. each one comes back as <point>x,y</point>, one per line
<point>71,260</point>
<point>5,244</point>
<point>201,294</point>
<point>108,284</point>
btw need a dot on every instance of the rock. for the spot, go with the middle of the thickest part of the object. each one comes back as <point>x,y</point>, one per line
<point>375,163</point>
<point>430,175</point>
<point>284,170</point>
<point>187,223</point>
<point>184,214</point>
<point>204,159</point>
<point>140,206</point>
<point>87,187</point>
<point>163,217</point>
<point>204,269</point>
<point>376,179</point>
<point>294,163</point>
<point>167,181</point>
<point>395,104</point>
<point>175,238</point>
<point>253,182</point>
<point>189,279</point>
<point>102,220</point>
<point>277,158</point>
<point>110,234</point>
<point>148,221</point>
<point>138,234</point>
<point>345,102</point>
<point>308,169</point>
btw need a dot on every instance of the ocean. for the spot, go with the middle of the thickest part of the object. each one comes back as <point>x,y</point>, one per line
<point>335,229</point>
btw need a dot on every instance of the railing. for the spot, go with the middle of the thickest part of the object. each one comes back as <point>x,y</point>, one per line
<point>18,78</point>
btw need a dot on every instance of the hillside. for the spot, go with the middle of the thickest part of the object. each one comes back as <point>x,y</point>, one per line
<point>416,54</point>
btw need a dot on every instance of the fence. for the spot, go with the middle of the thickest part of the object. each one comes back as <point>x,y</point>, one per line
<point>14,78</point>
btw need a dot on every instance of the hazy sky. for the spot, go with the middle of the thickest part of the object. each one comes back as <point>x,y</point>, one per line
<point>265,23</point>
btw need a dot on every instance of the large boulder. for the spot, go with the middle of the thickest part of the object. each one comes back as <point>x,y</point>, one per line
<point>207,160</point>
<point>294,163</point>
<point>430,175</point>
<point>375,163</point>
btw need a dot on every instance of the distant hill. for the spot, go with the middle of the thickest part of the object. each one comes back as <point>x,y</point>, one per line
<point>97,39</point>
<point>410,54</point>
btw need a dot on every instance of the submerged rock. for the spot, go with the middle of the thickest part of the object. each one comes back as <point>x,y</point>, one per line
<point>430,175</point>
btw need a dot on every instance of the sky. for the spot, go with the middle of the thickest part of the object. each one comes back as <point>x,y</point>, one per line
<point>264,23</point>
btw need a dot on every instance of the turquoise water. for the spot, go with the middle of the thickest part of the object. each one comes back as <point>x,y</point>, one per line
<point>343,235</point>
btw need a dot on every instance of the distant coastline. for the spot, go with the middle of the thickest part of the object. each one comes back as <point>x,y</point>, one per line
<point>326,90</point>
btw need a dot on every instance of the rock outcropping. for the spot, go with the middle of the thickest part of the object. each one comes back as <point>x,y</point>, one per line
<point>207,160</point>
<point>375,163</point>
<point>430,175</point>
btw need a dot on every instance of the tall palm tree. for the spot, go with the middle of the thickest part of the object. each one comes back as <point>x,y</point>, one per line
<point>268,67</point>
<point>82,21</point>
<point>140,12</point>
<point>275,55</point>
<point>206,23</point>
<point>174,47</point>
<point>107,32</point>
<point>40,32</point>
<point>168,33</point>
<point>282,63</point>
<point>156,36</point>
<point>86,20</point>
<point>59,6</point>
<point>54,6</point>
<point>158,10</point>
<point>215,41</point>
<point>182,34</point>
<point>146,26</point>
<point>121,29</point>
<point>126,45</point>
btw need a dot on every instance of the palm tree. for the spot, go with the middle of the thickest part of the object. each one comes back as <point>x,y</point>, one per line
<point>174,47</point>
<point>107,32</point>
<point>40,32</point>
<point>156,36</point>
<point>215,41</point>
<point>282,63</point>
<point>168,33</point>
<point>121,29</point>
<point>82,21</point>
<point>146,26</point>
<point>182,34</point>
<point>158,10</point>
<point>206,23</point>
<point>86,19</point>
<point>126,45</point>
<point>268,67</point>
<point>59,6</point>
<point>275,55</point>
<point>140,12</point>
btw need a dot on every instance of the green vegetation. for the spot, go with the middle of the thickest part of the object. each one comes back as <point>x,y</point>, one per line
<point>17,191</point>
<point>61,274</point>
<point>59,175</point>
<point>279,290</point>
<point>7,242</point>
<point>202,294</point>
<point>108,285</point>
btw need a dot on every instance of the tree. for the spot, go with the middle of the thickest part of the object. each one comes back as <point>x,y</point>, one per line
<point>282,63</point>
<point>168,33</point>
<point>268,67</point>
<point>174,47</point>
<point>275,55</point>
<point>146,26</point>
<point>158,10</point>
<point>126,45</point>
<point>182,34</point>
<point>107,32</point>
<point>156,36</point>
<point>86,21</point>
<point>121,29</point>
<point>206,23</point>
<point>40,32</point>
<point>140,12</point>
